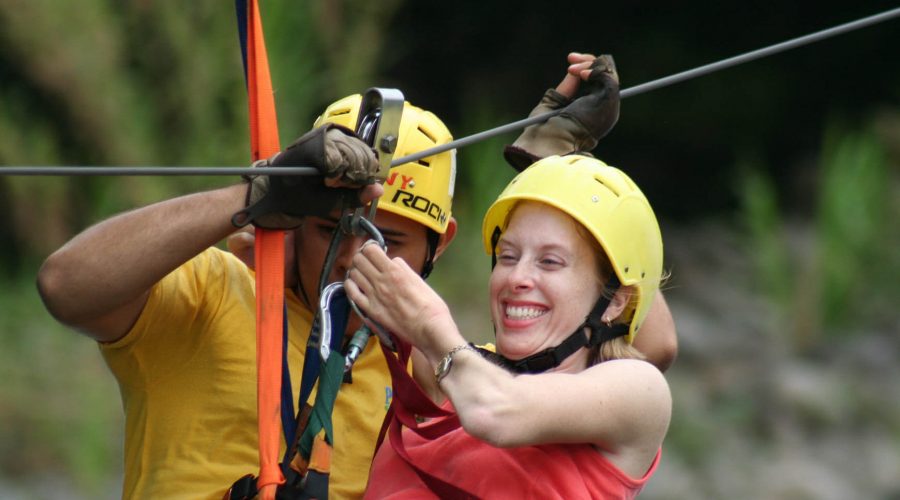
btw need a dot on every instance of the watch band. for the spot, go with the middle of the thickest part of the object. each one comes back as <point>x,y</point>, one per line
<point>444,365</point>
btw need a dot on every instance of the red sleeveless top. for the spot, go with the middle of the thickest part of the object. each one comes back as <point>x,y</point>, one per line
<point>563,471</point>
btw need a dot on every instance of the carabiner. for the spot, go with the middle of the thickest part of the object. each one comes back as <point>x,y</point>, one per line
<point>328,293</point>
<point>325,317</point>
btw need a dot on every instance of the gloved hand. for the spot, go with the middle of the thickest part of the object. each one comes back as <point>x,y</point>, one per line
<point>280,201</point>
<point>581,124</point>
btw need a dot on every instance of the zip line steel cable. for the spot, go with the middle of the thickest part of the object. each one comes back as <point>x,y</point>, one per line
<point>470,139</point>
<point>73,170</point>
<point>664,82</point>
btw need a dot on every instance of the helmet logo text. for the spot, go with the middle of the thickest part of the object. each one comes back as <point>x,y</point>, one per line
<point>421,204</point>
<point>404,180</point>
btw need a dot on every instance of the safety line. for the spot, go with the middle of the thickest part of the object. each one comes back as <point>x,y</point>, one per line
<point>480,136</point>
<point>75,170</point>
<point>662,82</point>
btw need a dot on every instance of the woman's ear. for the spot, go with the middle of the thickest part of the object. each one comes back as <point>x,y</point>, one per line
<point>618,303</point>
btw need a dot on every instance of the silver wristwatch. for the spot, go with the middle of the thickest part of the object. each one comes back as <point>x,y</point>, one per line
<point>444,365</point>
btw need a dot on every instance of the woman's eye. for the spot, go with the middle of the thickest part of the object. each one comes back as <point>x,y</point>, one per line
<point>550,261</point>
<point>506,257</point>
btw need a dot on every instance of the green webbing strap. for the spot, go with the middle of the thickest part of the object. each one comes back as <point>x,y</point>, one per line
<point>330,379</point>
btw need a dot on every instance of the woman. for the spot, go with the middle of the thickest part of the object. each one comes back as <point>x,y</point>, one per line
<point>566,408</point>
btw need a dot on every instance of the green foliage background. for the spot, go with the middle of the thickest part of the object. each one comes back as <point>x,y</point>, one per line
<point>795,156</point>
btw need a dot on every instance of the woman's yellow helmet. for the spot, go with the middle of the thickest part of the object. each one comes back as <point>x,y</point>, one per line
<point>608,204</point>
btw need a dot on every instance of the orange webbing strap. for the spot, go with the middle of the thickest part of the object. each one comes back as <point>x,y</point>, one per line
<point>269,250</point>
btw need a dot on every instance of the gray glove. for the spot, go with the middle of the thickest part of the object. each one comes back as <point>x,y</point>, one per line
<point>581,124</point>
<point>280,201</point>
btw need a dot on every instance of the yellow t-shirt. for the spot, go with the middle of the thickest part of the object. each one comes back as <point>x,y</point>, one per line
<point>187,376</point>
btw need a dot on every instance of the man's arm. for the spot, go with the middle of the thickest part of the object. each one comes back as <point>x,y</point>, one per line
<point>99,281</point>
<point>657,338</point>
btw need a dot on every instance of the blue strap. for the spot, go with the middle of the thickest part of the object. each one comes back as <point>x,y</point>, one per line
<point>240,6</point>
<point>288,416</point>
<point>312,362</point>
<point>340,309</point>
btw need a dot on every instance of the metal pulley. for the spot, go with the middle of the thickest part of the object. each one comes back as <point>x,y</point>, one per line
<point>378,125</point>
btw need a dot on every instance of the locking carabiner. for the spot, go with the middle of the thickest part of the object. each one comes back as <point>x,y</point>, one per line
<point>360,337</point>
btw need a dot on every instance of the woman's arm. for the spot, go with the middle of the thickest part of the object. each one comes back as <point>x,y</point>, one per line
<point>623,407</point>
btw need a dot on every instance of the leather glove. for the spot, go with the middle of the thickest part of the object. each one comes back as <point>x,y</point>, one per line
<point>280,201</point>
<point>578,127</point>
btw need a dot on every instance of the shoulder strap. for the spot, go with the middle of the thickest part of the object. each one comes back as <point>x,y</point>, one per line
<point>410,401</point>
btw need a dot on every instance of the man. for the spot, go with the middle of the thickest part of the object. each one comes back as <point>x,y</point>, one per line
<point>175,316</point>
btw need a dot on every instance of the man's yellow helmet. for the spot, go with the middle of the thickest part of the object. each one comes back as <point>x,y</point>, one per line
<point>608,204</point>
<point>421,190</point>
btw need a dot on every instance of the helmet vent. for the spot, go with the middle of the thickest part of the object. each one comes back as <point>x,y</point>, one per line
<point>424,163</point>
<point>339,112</point>
<point>607,186</point>
<point>426,134</point>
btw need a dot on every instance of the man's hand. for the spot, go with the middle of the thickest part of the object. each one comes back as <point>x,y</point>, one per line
<point>346,163</point>
<point>581,123</point>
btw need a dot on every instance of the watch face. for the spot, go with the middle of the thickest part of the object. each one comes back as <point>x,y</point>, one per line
<point>442,368</point>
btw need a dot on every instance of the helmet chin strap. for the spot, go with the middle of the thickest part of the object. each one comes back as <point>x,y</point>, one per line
<point>552,357</point>
<point>432,240</point>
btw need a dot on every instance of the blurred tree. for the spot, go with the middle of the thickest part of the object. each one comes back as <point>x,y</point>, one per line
<point>99,82</point>
<point>154,83</point>
<point>679,141</point>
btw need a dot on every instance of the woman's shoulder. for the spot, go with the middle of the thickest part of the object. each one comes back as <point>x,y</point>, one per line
<point>631,368</point>
<point>637,387</point>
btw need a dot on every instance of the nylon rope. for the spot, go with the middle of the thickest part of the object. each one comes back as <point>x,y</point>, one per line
<point>502,129</point>
<point>269,260</point>
<point>150,171</point>
<point>662,82</point>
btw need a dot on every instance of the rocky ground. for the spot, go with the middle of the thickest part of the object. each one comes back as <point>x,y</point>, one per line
<point>755,419</point>
<point>754,416</point>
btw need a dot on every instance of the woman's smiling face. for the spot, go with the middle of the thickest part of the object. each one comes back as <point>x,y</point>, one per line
<point>545,282</point>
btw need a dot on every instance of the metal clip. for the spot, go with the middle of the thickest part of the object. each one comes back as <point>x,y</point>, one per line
<point>378,125</point>
<point>325,317</point>
<point>361,337</point>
